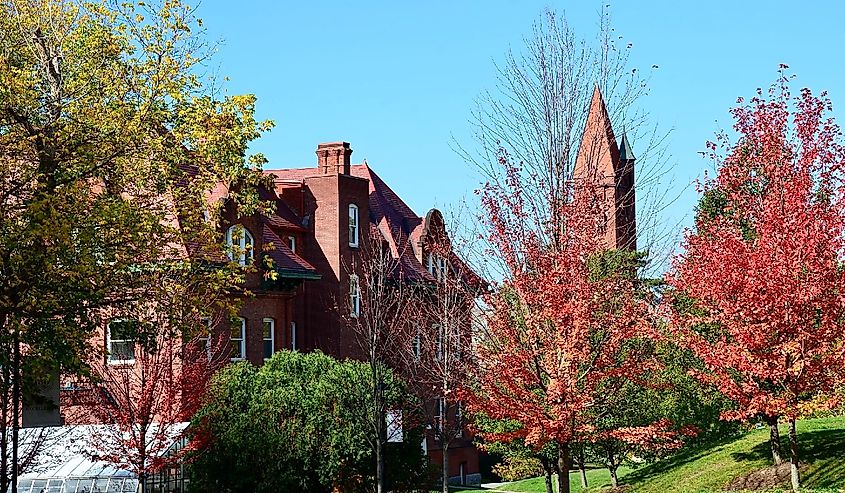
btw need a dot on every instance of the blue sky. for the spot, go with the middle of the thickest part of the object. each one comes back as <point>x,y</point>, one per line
<point>398,79</point>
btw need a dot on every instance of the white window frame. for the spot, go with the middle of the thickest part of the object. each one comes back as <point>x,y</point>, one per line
<point>440,349</point>
<point>437,266</point>
<point>242,340</point>
<point>459,419</point>
<point>293,335</point>
<point>206,338</point>
<point>292,243</point>
<point>440,417</point>
<point>416,346</point>
<point>272,337</point>
<point>353,225</point>
<point>109,342</point>
<point>354,296</point>
<point>245,244</point>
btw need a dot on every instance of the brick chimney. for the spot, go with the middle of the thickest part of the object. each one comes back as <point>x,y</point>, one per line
<point>333,158</point>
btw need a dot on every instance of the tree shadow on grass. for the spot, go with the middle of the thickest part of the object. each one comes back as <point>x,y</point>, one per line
<point>661,467</point>
<point>823,451</point>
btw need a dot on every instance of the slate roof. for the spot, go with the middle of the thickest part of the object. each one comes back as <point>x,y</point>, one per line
<point>390,216</point>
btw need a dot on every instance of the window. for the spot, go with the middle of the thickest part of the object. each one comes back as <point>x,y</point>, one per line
<point>292,243</point>
<point>205,337</point>
<point>440,415</point>
<point>269,330</point>
<point>239,243</point>
<point>416,347</point>
<point>238,339</point>
<point>293,335</point>
<point>440,341</point>
<point>436,266</point>
<point>353,225</point>
<point>459,419</point>
<point>354,296</point>
<point>121,341</point>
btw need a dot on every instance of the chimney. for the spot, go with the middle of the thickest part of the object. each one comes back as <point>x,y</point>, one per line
<point>333,158</point>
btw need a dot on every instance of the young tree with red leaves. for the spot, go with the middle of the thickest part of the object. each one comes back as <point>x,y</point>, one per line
<point>559,334</point>
<point>149,382</point>
<point>761,275</point>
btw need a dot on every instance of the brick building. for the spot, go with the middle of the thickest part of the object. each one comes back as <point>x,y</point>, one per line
<point>322,217</point>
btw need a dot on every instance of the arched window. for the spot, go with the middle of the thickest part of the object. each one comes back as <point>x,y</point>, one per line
<point>239,243</point>
<point>354,296</point>
<point>269,331</point>
<point>238,339</point>
<point>353,225</point>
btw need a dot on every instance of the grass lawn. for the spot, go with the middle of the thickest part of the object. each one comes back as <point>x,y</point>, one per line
<point>708,470</point>
<point>596,479</point>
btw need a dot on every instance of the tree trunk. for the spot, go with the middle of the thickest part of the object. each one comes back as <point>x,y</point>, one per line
<point>563,467</point>
<point>579,458</point>
<point>445,477</point>
<point>774,439</point>
<point>16,405</point>
<point>548,472</point>
<point>380,487</point>
<point>793,456</point>
<point>612,466</point>
<point>4,432</point>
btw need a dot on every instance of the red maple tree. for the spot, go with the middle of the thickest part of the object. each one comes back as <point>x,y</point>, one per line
<point>141,395</point>
<point>761,275</point>
<point>559,328</point>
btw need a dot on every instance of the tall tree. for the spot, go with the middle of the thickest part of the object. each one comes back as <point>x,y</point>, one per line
<point>763,268</point>
<point>557,333</point>
<point>108,137</point>
<point>439,357</point>
<point>376,312</point>
<point>537,112</point>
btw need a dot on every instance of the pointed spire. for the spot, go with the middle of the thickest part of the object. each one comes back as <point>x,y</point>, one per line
<point>625,152</point>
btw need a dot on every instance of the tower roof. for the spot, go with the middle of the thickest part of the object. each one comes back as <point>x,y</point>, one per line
<point>625,152</point>
<point>598,152</point>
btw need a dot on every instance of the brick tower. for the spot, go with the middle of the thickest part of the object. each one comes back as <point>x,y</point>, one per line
<point>612,167</point>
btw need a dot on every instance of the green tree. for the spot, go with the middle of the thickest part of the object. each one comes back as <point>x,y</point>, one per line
<point>110,144</point>
<point>292,425</point>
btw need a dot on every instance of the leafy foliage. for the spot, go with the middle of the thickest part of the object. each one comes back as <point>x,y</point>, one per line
<point>763,267</point>
<point>292,425</point>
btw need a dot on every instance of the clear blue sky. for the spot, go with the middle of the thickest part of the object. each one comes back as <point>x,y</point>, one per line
<point>398,79</point>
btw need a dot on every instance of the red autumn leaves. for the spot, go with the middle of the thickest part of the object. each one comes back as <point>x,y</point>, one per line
<point>764,264</point>
<point>756,293</point>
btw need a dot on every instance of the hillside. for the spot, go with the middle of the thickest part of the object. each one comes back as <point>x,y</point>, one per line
<point>710,469</point>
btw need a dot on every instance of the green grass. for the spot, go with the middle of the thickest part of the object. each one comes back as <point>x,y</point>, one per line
<point>596,479</point>
<point>709,469</point>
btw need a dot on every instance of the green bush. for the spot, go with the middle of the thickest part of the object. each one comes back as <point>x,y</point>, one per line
<point>514,468</point>
<point>297,423</point>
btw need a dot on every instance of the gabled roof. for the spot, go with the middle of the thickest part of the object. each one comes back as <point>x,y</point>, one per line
<point>397,223</point>
<point>288,263</point>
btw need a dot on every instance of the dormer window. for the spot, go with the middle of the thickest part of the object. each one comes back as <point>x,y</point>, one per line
<point>292,243</point>
<point>239,242</point>
<point>353,225</point>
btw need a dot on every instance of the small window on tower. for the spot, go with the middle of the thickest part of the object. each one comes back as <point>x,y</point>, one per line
<point>353,225</point>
